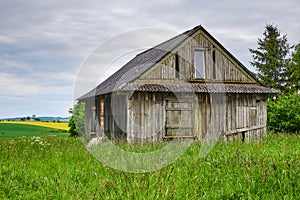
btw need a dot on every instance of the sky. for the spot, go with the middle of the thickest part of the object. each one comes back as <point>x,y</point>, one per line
<point>43,44</point>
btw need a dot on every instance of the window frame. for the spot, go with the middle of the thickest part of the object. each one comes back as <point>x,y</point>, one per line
<point>204,63</point>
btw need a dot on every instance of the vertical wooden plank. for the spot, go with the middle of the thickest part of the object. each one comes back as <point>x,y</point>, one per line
<point>234,112</point>
<point>196,117</point>
<point>129,118</point>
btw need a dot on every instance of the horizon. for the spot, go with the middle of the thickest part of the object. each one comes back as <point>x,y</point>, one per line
<point>19,117</point>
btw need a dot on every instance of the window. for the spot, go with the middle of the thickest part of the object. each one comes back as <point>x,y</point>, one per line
<point>199,63</point>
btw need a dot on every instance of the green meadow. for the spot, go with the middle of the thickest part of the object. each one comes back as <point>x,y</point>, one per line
<point>62,168</point>
<point>10,131</point>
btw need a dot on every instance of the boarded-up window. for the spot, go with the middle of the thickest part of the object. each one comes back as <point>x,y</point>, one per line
<point>199,63</point>
<point>179,117</point>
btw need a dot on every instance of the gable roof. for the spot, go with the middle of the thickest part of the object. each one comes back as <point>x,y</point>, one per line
<point>145,60</point>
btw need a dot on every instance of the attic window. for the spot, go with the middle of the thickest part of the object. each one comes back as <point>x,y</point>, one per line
<point>199,63</point>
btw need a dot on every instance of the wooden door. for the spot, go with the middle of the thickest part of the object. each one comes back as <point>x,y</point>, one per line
<point>179,118</point>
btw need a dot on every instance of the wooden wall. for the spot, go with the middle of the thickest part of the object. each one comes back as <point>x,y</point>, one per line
<point>146,117</point>
<point>91,124</point>
<point>226,68</point>
<point>106,115</point>
<point>230,116</point>
<point>154,116</point>
<point>224,116</point>
<point>246,117</point>
<point>141,117</point>
<point>115,115</point>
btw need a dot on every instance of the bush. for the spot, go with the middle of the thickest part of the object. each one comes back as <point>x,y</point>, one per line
<point>284,113</point>
<point>72,128</point>
<point>76,122</point>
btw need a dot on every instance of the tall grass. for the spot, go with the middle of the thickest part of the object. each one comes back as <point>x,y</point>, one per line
<point>61,168</point>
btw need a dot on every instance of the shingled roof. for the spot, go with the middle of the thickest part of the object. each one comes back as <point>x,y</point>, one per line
<point>145,60</point>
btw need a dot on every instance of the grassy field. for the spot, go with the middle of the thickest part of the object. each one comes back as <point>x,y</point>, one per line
<point>61,168</point>
<point>54,125</point>
<point>10,131</point>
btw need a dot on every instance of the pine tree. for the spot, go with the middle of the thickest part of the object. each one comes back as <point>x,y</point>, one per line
<point>293,71</point>
<point>271,58</point>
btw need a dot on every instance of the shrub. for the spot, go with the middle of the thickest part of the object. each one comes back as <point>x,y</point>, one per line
<point>76,122</point>
<point>72,128</point>
<point>284,113</point>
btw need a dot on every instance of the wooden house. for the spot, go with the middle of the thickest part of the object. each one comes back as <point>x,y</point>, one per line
<point>189,86</point>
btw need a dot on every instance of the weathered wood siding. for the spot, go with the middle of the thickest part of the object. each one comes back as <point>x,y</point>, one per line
<point>210,116</point>
<point>230,116</point>
<point>151,117</point>
<point>146,117</point>
<point>226,69</point>
<point>246,117</point>
<point>91,124</point>
<point>106,114</point>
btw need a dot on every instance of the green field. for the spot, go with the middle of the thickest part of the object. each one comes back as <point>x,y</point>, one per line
<point>14,131</point>
<point>61,168</point>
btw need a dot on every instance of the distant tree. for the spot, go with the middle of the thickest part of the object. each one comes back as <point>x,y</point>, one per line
<point>27,118</point>
<point>33,117</point>
<point>293,71</point>
<point>76,122</point>
<point>23,119</point>
<point>271,58</point>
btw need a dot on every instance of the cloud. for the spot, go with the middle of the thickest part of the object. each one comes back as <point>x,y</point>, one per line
<point>11,85</point>
<point>44,43</point>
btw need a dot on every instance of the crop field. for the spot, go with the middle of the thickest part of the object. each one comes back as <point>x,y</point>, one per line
<point>55,125</point>
<point>62,168</point>
<point>14,131</point>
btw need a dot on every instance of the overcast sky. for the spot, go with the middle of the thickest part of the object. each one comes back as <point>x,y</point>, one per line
<point>44,43</point>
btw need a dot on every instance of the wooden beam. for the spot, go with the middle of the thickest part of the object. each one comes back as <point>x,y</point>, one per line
<point>239,130</point>
<point>181,136</point>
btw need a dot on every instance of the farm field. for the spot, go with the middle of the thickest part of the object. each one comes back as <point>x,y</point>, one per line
<point>61,168</point>
<point>55,125</point>
<point>10,131</point>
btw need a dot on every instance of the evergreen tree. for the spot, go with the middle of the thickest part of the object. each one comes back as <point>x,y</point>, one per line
<point>293,71</point>
<point>270,58</point>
